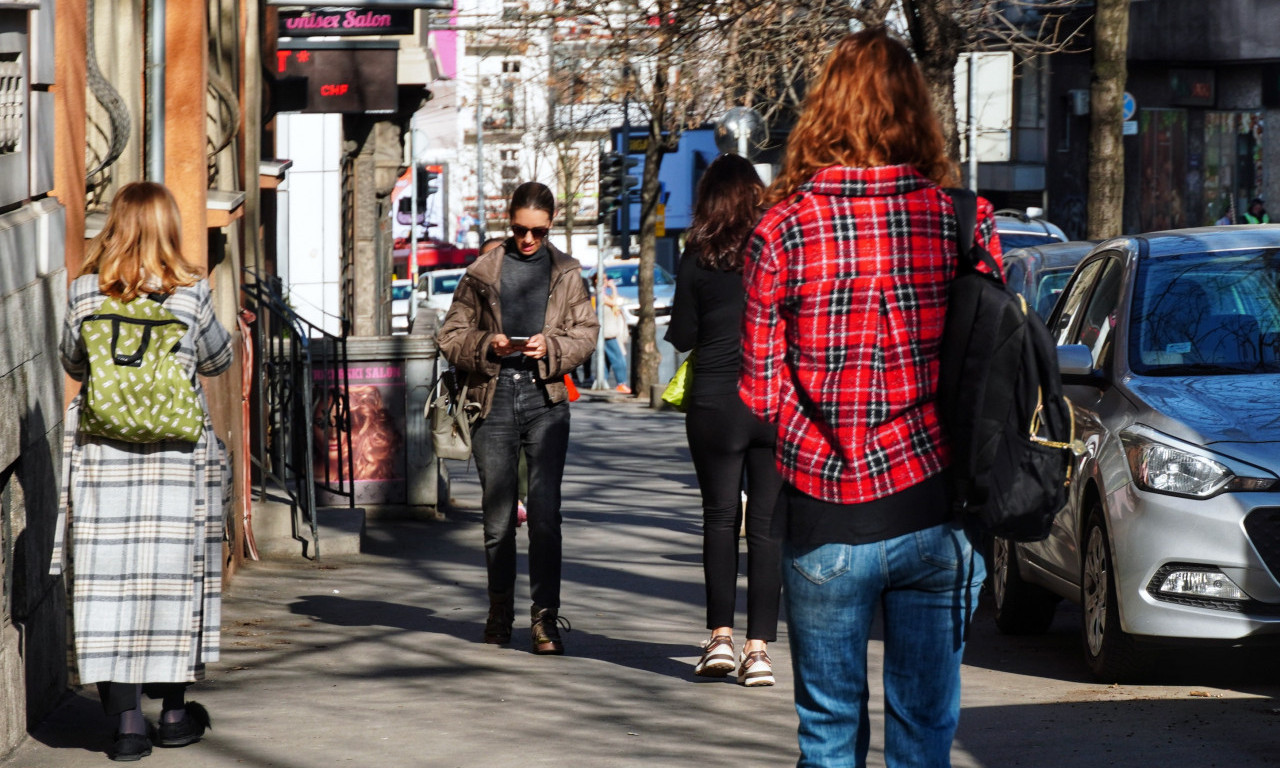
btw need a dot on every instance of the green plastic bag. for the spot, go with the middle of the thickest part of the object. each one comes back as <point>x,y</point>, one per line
<point>137,390</point>
<point>677,392</point>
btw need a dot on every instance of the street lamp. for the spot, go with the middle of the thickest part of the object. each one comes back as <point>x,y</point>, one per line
<point>740,131</point>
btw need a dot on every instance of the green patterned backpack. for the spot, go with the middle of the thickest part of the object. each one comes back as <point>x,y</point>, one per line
<point>137,390</point>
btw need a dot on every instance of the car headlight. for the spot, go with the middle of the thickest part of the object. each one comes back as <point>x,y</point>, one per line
<point>1161,464</point>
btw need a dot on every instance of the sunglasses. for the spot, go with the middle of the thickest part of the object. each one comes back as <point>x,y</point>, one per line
<point>537,232</point>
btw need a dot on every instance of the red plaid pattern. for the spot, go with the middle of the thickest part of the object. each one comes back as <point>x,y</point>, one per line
<point>846,296</point>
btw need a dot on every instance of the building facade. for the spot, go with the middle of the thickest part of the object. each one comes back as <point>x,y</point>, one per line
<point>1204,82</point>
<point>185,127</point>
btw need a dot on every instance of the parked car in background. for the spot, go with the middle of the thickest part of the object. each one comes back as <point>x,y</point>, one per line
<point>626,274</point>
<point>435,290</point>
<point>1020,229</point>
<point>1170,353</point>
<point>1039,272</point>
<point>403,306</point>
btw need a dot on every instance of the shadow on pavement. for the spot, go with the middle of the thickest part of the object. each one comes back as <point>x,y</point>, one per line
<point>1239,733</point>
<point>580,643</point>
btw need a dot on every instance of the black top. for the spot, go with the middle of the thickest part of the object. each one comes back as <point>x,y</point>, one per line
<point>526,283</point>
<point>812,522</point>
<point>707,313</point>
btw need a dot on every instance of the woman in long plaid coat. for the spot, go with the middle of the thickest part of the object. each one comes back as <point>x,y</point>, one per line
<point>140,534</point>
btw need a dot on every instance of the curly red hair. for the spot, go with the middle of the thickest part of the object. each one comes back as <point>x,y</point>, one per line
<point>869,108</point>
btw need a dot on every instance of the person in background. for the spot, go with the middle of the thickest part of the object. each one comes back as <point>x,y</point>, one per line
<point>613,328</point>
<point>1257,212</point>
<point>144,557</point>
<point>1228,215</point>
<point>725,440</point>
<point>847,278</point>
<point>520,320</point>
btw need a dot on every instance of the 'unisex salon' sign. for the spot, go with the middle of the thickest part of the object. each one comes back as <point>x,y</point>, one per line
<point>346,21</point>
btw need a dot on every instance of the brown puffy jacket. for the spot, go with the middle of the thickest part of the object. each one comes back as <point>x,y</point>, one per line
<point>475,317</point>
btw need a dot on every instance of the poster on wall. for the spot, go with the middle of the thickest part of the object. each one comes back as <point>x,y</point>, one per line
<point>377,424</point>
<point>1164,169</point>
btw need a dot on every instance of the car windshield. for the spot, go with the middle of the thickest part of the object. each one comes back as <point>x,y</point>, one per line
<point>445,283</point>
<point>1011,240</point>
<point>401,292</point>
<point>1207,314</point>
<point>628,275</point>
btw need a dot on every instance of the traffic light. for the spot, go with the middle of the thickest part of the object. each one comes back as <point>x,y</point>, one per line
<point>428,184</point>
<point>615,182</point>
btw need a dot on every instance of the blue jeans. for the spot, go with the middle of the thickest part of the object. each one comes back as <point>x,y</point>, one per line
<point>522,418</point>
<point>615,361</point>
<point>926,584</point>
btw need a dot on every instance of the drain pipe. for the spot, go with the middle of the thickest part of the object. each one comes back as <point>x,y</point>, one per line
<point>155,90</point>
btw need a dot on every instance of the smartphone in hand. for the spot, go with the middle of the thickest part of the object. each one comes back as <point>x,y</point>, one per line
<point>518,341</point>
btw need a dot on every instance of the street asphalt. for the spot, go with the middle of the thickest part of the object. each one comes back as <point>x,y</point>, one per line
<point>376,660</point>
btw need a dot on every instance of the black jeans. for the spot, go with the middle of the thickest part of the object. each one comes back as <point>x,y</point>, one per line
<point>724,439</point>
<point>522,418</point>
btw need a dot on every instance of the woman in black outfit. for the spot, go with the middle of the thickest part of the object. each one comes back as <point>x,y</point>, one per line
<point>724,438</point>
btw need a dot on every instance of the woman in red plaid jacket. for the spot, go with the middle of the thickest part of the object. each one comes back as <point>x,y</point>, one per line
<point>846,280</point>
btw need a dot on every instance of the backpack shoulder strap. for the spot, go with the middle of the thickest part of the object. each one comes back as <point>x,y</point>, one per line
<point>965,202</point>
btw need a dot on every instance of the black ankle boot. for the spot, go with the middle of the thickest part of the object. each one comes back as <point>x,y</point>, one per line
<point>545,631</point>
<point>502,614</point>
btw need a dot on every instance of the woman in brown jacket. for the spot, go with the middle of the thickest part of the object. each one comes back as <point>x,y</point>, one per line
<point>520,320</point>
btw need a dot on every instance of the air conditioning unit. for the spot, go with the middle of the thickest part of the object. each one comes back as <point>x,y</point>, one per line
<point>1078,101</point>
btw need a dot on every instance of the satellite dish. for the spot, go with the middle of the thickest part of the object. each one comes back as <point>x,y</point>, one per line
<point>740,131</point>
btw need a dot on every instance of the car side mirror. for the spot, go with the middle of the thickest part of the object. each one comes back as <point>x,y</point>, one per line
<point>1075,363</point>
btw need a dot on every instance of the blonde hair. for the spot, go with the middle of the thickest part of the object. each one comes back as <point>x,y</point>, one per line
<point>869,108</point>
<point>140,248</point>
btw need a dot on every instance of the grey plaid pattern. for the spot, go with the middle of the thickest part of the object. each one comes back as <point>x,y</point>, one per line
<point>140,528</point>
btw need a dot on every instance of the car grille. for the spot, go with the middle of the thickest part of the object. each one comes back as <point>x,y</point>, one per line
<point>1263,527</point>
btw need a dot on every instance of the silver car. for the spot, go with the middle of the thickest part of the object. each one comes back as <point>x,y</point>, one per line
<point>1040,272</point>
<point>1170,353</point>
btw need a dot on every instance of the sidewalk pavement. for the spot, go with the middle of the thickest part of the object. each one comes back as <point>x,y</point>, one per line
<point>376,660</point>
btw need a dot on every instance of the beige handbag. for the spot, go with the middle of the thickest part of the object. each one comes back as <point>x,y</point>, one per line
<point>450,417</point>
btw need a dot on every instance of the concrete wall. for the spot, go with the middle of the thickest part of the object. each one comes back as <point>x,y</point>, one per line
<point>33,281</point>
<point>1199,31</point>
<point>32,624</point>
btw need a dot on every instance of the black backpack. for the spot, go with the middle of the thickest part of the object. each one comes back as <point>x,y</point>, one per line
<point>1000,398</point>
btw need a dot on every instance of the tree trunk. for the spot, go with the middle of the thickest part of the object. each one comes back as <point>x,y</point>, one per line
<point>648,358</point>
<point>936,40</point>
<point>1106,133</point>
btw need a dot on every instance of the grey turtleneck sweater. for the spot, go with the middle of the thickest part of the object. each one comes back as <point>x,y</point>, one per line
<point>526,283</point>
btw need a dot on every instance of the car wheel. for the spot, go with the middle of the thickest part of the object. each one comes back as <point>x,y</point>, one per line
<point>1110,652</point>
<point>1021,608</point>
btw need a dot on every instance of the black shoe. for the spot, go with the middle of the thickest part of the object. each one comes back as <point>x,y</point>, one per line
<point>188,730</point>
<point>545,631</point>
<point>502,614</point>
<point>130,747</point>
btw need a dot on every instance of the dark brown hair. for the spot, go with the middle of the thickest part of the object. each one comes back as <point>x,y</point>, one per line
<point>725,209</point>
<point>533,195</point>
<point>869,108</point>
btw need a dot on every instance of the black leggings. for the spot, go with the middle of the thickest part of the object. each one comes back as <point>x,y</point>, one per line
<point>122,697</point>
<point>725,439</point>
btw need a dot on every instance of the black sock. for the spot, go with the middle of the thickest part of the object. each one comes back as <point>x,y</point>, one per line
<point>174,705</point>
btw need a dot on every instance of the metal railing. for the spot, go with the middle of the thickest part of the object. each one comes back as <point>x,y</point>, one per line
<point>302,434</point>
